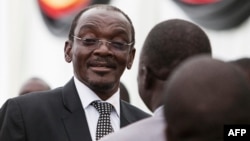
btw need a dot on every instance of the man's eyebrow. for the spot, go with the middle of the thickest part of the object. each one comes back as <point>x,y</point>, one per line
<point>120,31</point>
<point>87,26</point>
<point>115,32</point>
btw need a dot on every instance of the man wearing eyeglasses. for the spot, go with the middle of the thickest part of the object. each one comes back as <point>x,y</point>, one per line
<point>100,47</point>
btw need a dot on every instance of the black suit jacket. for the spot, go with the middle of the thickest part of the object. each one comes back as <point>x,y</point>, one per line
<point>55,115</point>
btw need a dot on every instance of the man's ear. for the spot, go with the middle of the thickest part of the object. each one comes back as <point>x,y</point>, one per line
<point>68,51</point>
<point>131,58</point>
<point>146,78</point>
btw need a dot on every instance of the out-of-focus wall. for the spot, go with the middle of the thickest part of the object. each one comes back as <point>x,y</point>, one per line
<point>3,53</point>
<point>28,49</point>
<point>12,38</point>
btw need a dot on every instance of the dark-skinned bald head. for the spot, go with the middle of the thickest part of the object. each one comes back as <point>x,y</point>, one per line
<point>203,95</point>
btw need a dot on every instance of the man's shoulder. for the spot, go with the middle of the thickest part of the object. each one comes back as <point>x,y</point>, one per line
<point>40,95</point>
<point>144,124</point>
<point>36,99</point>
<point>141,130</point>
<point>129,108</point>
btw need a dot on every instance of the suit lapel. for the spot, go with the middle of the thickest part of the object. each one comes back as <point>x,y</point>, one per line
<point>125,115</point>
<point>74,118</point>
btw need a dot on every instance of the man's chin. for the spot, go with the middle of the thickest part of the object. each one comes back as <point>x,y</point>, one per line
<point>101,86</point>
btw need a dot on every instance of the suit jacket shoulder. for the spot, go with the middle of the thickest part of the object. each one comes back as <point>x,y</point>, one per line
<point>50,115</point>
<point>149,129</point>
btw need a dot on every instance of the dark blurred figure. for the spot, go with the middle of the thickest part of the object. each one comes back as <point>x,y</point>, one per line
<point>216,14</point>
<point>203,95</point>
<point>124,94</point>
<point>244,64</point>
<point>167,45</point>
<point>34,84</point>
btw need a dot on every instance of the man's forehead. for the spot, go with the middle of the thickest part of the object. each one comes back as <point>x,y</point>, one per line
<point>100,16</point>
<point>96,11</point>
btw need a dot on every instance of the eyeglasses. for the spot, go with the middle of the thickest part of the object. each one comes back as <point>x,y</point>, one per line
<point>93,43</point>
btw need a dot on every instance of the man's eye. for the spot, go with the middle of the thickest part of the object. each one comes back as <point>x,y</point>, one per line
<point>117,45</point>
<point>89,42</point>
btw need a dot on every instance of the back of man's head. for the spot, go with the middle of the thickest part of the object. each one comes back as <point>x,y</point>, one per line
<point>166,46</point>
<point>244,64</point>
<point>202,96</point>
<point>172,41</point>
<point>34,84</point>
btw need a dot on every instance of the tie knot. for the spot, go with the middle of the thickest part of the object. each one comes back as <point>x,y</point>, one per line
<point>102,107</point>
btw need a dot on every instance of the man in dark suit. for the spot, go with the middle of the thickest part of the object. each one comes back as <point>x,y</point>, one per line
<point>100,46</point>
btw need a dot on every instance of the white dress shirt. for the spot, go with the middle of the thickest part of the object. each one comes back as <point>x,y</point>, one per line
<point>87,96</point>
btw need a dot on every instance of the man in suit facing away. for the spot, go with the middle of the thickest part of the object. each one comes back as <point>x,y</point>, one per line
<point>100,46</point>
<point>167,45</point>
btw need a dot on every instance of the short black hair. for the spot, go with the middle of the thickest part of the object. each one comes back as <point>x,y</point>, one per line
<point>104,6</point>
<point>172,41</point>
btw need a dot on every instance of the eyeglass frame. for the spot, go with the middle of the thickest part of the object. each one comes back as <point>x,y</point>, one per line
<point>108,43</point>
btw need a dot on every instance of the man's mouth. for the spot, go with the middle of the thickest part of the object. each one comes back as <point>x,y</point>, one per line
<point>101,66</point>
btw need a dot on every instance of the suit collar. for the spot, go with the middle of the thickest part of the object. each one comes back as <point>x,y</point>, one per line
<point>74,118</point>
<point>70,97</point>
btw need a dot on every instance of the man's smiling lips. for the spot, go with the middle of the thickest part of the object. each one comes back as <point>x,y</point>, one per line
<point>101,66</point>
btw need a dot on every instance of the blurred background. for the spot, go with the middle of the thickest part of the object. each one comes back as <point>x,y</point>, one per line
<point>33,32</point>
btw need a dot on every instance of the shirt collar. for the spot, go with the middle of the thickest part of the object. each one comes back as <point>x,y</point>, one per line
<point>87,96</point>
<point>159,111</point>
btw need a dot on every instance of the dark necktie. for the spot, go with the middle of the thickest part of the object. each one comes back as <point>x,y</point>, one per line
<point>103,125</point>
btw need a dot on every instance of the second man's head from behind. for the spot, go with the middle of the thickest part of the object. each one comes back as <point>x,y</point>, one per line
<point>101,47</point>
<point>166,46</point>
<point>203,95</point>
